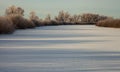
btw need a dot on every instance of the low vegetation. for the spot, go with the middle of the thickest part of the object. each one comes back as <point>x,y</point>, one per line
<point>14,19</point>
<point>6,25</point>
<point>109,23</point>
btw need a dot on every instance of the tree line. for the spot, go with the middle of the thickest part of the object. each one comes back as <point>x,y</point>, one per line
<point>14,19</point>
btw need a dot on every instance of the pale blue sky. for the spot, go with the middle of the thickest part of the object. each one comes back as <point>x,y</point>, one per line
<point>43,7</point>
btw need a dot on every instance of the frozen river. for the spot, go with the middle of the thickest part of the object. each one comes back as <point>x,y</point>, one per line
<point>70,48</point>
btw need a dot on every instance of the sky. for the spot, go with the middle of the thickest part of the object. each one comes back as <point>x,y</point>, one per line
<point>52,7</point>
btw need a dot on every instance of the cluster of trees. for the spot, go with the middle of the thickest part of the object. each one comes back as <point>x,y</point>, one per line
<point>92,18</point>
<point>88,18</point>
<point>14,19</point>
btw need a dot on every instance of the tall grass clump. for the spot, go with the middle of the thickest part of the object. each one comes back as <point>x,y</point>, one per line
<point>109,23</point>
<point>6,25</point>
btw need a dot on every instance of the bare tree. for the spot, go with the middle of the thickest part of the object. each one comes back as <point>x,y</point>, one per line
<point>62,17</point>
<point>59,18</point>
<point>76,18</point>
<point>66,17</point>
<point>92,18</point>
<point>89,18</point>
<point>104,17</point>
<point>48,18</point>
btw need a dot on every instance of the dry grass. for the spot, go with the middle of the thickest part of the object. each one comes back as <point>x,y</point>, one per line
<point>6,25</point>
<point>109,23</point>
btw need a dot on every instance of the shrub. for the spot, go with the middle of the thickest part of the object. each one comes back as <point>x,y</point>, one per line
<point>18,21</point>
<point>109,23</point>
<point>35,19</point>
<point>37,23</point>
<point>6,25</point>
<point>53,22</point>
<point>29,23</point>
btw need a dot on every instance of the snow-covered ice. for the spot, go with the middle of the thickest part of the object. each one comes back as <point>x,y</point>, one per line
<point>68,48</point>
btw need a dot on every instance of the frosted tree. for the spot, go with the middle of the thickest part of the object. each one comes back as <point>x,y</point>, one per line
<point>33,16</point>
<point>35,19</point>
<point>14,10</point>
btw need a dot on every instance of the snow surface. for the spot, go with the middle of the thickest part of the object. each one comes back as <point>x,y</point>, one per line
<point>68,48</point>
